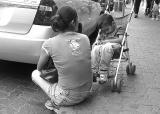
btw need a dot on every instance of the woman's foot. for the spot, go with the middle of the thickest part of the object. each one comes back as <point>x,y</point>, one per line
<point>50,105</point>
<point>135,15</point>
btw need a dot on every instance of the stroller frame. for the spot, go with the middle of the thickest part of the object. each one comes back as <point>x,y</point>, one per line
<point>122,27</point>
<point>130,69</point>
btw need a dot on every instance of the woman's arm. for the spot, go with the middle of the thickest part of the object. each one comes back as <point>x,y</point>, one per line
<point>43,59</point>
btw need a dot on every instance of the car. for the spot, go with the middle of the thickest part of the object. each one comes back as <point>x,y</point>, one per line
<point>25,25</point>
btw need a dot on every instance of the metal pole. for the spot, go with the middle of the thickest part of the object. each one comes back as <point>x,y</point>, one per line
<point>123,41</point>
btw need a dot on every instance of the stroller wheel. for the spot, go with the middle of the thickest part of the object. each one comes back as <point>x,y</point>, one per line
<point>113,85</point>
<point>130,69</point>
<point>118,85</point>
<point>133,69</point>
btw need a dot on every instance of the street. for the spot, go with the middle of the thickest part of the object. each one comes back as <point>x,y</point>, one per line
<point>140,93</point>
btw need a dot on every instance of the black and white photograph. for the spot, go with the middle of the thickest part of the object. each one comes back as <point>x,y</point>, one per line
<point>79,56</point>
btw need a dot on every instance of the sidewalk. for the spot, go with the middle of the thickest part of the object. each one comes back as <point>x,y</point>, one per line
<point>140,93</point>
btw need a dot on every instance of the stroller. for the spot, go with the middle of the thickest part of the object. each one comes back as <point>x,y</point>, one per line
<point>116,81</point>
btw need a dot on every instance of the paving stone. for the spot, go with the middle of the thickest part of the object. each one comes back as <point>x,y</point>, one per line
<point>17,103</point>
<point>2,106</point>
<point>3,94</point>
<point>150,98</point>
<point>10,110</point>
<point>4,101</point>
<point>14,94</point>
<point>26,109</point>
<point>6,110</point>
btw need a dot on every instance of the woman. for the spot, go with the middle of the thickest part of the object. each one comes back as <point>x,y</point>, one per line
<point>70,53</point>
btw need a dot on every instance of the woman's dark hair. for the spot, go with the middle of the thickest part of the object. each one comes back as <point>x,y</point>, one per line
<point>58,24</point>
<point>62,20</point>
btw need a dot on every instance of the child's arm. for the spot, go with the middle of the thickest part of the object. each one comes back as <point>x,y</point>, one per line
<point>113,40</point>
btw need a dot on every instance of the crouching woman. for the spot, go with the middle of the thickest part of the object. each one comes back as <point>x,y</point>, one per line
<point>71,54</point>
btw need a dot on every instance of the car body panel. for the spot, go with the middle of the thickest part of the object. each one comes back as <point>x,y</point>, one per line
<point>21,39</point>
<point>24,48</point>
<point>17,17</point>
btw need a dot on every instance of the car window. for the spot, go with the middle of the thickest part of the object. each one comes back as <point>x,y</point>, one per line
<point>46,9</point>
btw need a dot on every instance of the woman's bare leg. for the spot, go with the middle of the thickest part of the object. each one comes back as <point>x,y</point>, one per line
<point>42,83</point>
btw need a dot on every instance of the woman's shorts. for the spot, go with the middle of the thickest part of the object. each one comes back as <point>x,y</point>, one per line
<point>63,97</point>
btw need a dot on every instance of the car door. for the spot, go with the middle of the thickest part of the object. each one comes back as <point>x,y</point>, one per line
<point>24,26</point>
<point>17,16</point>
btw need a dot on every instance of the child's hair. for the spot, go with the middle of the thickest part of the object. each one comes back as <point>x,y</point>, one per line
<point>62,20</point>
<point>105,19</point>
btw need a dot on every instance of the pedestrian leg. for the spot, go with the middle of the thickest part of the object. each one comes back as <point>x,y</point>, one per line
<point>148,7</point>
<point>136,7</point>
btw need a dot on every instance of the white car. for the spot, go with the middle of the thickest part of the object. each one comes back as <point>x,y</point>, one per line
<point>24,25</point>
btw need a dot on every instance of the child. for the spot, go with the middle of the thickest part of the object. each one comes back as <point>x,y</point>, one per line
<point>155,10</point>
<point>103,48</point>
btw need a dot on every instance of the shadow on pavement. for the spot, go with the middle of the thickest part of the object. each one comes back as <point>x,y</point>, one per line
<point>18,70</point>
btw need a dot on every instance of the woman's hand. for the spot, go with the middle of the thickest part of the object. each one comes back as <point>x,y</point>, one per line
<point>43,59</point>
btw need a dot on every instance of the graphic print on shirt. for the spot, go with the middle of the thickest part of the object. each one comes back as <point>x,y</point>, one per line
<point>75,46</point>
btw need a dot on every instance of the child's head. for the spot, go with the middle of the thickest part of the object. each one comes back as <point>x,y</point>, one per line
<point>66,18</point>
<point>106,24</point>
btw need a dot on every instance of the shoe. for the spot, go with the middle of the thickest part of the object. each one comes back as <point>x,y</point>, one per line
<point>102,79</point>
<point>49,105</point>
<point>136,15</point>
<point>153,18</point>
<point>157,19</point>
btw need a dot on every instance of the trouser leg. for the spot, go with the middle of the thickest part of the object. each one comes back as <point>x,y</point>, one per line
<point>136,6</point>
<point>95,58</point>
<point>148,4</point>
<point>101,57</point>
<point>148,7</point>
<point>106,56</point>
